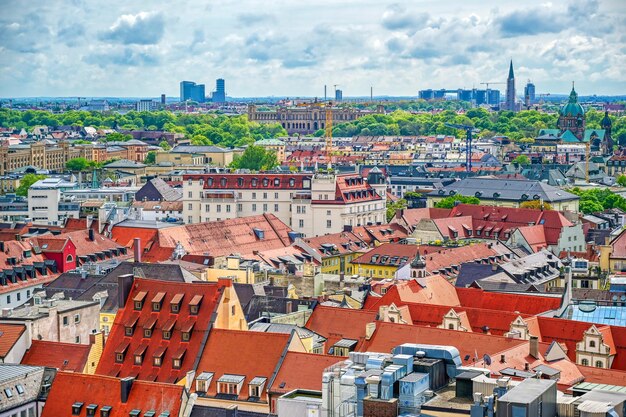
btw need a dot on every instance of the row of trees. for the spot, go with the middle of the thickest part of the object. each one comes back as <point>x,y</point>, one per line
<point>521,126</point>
<point>202,129</point>
<point>598,199</point>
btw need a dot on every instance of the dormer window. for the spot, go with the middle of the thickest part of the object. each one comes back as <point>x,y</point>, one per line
<point>157,357</point>
<point>203,381</point>
<point>140,352</point>
<point>138,300</point>
<point>129,326</point>
<point>254,182</point>
<point>134,413</point>
<point>91,409</point>
<point>276,182</point>
<point>292,182</point>
<point>120,352</point>
<point>256,386</point>
<point>178,357</point>
<point>167,328</point>
<point>148,326</point>
<point>194,304</point>
<point>157,301</point>
<point>230,384</point>
<point>175,303</point>
<point>105,411</point>
<point>223,182</point>
<point>266,182</point>
<point>209,181</point>
<point>186,330</point>
<point>77,408</point>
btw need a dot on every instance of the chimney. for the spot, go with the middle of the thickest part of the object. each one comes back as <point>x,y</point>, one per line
<point>137,249</point>
<point>370,328</point>
<point>534,347</point>
<point>124,285</point>
<point>527,367</point>
<point>189,379</point>
<point>289,307</point>
<point>502,359</point>
<point>92,235</point>
<point>494,267</point>
<point>125,384</point>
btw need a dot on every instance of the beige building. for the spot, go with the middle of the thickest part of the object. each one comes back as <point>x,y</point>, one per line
<point>198,155</point>
<point>312,205</point>
<point>274,145</point>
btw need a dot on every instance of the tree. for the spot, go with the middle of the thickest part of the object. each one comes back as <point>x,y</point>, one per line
<point>78,164</point>
<point>26,182</point>
<point>150,158</point>
<point>256,158</point>
<point>117,137</point>
<point>165,146</point>
<point>536,204</point>
<point>393,206</point>
<point>522,160</point>
<point>451,201</point>
<point>621,180</point>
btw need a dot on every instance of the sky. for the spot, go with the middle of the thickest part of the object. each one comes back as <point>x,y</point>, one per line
<point>293,47</point>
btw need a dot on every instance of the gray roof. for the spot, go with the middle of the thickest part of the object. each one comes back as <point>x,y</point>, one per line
<point>528,390</point>
<point>198,149</point>
<point>124,163</point>
<point>505,189</point>
<point>23,382</point>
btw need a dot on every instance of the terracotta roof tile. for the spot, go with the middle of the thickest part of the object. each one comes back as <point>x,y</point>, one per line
<point>70,388</point>
<point>9,335</point>
<point>340,323</point>
<point>302,371</point>
<point>62,356</point>
<point>528,304</point>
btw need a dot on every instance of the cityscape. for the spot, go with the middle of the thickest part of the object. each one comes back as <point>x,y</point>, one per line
<point>321,209</point>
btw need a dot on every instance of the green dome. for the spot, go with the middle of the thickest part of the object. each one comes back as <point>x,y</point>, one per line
<point>572,108</point>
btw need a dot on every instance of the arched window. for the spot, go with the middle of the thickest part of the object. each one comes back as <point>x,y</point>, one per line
<point>451,326</point>
<point>599,364</point>
<point>69,258</point>
<point>584,362</point>
<point>592,343</point>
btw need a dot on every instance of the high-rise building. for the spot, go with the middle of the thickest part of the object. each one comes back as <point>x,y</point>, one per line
<point>189,90</point>
<point>510,90</point>
<point>144,105</point>
<point>163,99</point>
<point>219,95</point>
<point>338,95</point>
<point>529,93</point>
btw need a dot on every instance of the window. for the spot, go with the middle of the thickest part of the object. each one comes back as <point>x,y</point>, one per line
<point>66,320</point>
<point>207,208</point>
<point>167,334</point>
<point>584,362</point>
<point>76,318</point>
<point>265,208</point>
<point>219,208</point>
<point>69,258</point>
<point>254,196</point>
<point>329,224</point>
<point>300,223</point>
<point>186,336</point>
<point>232,310</point>
<point>599,364</point>
<point>592,343</point>
<point>177,363</point>
<point>156,361</point>
<point>275,208</point>
<point>138,359</point>
<point>76,408</point>
<point>189,219</point>
<point>276,196</point>
<point>19,296</point>
<point>227,208</point>
<point>264,196</point>
<point>190,206</point>
<point>105,411</point>
<point>328,212</point>
<point>19,388</point>
<point>253,206</point>
<point>190,194</point>
<point>77,339</point>
<point>8,299</point>
<point>128,330</point>
<point>147,332</point>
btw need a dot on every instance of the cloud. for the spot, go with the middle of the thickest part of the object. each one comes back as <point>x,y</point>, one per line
<point>144,28</point>
<point>251,19</point>
<point>530,22</point>
<point>396,17</point>
<point>127,56</point>
<point>71,34</point>
<point>26,35</point>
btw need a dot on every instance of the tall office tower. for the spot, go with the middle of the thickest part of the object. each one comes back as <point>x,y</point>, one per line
<point>163,99</point>
<point>192,91</point>
<point>510,90</point>
<point>338,95</point>
<point>186,87</point>
<point>219,95</point>
<point>529,93</point>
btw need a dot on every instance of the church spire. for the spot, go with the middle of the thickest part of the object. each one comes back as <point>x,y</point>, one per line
<point>511,75</point>
<point>573,96</point>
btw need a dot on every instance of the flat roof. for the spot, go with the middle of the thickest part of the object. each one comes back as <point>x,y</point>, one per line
<point>528,391</point>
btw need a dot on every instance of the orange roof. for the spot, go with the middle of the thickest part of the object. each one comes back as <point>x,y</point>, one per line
<point>80,238</point>
<point>70,388</point>
<point>529,304</point>
<point>302,371</point>
<point>63,356</point>
<point>390,335</point>
<point>603,376</point>
<point>10,334</point>
<point>388,254</point>
<point>165,319</point>
<point>383,233</point>
<point>340,323</point>
<point>456,256</point>
<point>243,353</point>
<point>433,289</point>
<point>534,236</point>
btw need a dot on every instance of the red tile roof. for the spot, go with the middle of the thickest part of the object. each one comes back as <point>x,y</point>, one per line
<point>69,388</point>
<point>456,256</point>
<point>63,356</point>
<point>10,334</point>
<point>535,236</point>
<point>340,323</point>
<point>390,335</point>
<point>302,371</point>
<point>383,233</point>
<point>245,353</point>
<point>213,239</point>
<point>528,304</point>
<point>117,339</point>
<point>603,376</point>
<point>84,246</point>
<point>351,188</point>
<point>388,252</point>
<point>433,289</point>
<point>345,242</point>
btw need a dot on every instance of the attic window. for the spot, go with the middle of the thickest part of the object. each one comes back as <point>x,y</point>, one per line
<point>148,326</point>
<point>105,411</point>
<point>120,352</point>
<point>167,328</point>
<point>157,357</point>
<point>230,384</point>
<point>256,386</point>
<point>91,409</point>
<point>194,304</point>
<point>9,393</point>
<point>139,353</point>
<point>260,234</point>
<point>186,330</point>
<point>254,182</point>
<point>19,388</point>
<point>203,381</point>
<point>266,182</point>
<point>134,413</point>
<point>150,413</point>
<point>157,301</point>
<point>139,298</point>
<point>209,181</point>
<point>175,303</point>
<point>292,182</point>
<point>223,182</point>
<point>276,182</point>
<point>76,408</point>
<point>178,357</point>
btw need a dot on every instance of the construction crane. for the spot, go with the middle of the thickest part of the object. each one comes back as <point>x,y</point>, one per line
<point>487,84</point>
<point>468,143</point>
<point>328,130</point>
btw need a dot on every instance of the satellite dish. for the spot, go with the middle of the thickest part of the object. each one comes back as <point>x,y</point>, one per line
<point>487,359</point>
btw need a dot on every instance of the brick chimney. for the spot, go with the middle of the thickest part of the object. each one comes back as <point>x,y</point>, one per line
<point>137,249</point>
<point>534,347</point>
<point>124,285</point>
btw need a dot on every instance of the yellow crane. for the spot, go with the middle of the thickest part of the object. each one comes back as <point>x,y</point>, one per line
<point>328,130</point>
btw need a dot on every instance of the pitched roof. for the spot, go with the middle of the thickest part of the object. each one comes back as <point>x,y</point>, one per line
<point>302,371</point>
<point>70,388</point>
<point>340,323</point>
<point>534,236</point>
<point>62,356</point>
<point>433,289</point>
<point>243,353</point>
<point>388,254</point>
<point>9,335</point>
<point>163,319</point>
<point>528,304</point>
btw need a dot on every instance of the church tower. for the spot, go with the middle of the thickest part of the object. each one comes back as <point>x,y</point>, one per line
<point>510,90</point>
<point>607,143</point>
<point>572,116</point>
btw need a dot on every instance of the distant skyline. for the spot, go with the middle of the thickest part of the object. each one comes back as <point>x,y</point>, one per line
<point>292,48</point>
